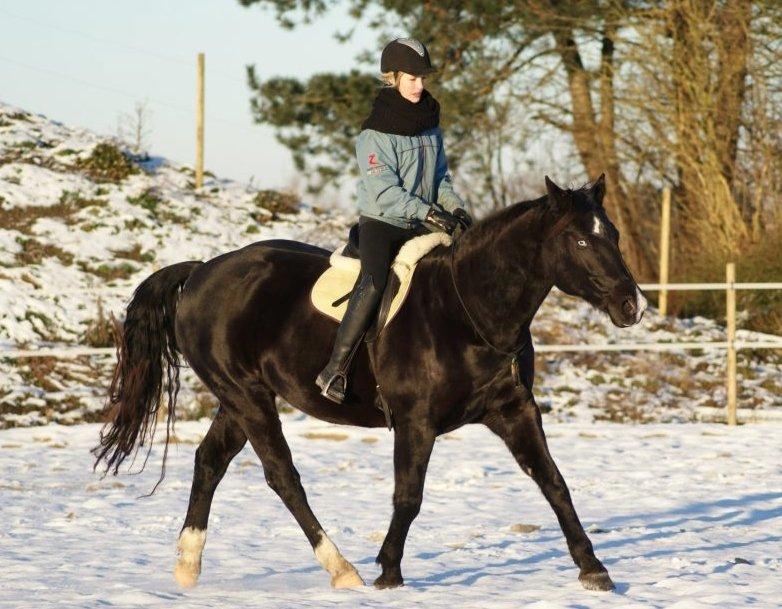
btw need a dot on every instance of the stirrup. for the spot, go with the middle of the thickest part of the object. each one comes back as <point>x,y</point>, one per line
<point>329,391</point>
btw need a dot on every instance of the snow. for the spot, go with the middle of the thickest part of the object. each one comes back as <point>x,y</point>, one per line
<point>686,516</point>
<point>683,515</point>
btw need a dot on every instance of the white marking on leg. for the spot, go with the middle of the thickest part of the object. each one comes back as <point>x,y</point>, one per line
<point>343,574</point>
<point>189,549</point>
<point>640,304</point>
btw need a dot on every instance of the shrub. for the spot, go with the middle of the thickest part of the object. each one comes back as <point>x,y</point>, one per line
<point>100,331</point>
<point>277,202</point>
<point>759,262</point>
<point>109,272</point>
<point>149,200</point>
<point>108,163</point>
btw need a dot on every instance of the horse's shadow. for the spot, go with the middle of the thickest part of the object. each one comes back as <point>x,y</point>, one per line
<point>698,511</point>
<point>664,524</point>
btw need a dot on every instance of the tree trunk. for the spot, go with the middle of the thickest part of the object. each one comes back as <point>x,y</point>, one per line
<point>596,143</point>
<point>733,50</point>
<point>707,119</point>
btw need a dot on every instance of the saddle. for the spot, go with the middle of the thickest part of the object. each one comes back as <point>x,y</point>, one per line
<point>331,291</point>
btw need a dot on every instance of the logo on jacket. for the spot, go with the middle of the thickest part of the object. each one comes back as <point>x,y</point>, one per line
<point>375,166</point>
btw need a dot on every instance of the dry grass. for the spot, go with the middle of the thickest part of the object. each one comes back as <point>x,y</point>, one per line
<point>38,371</point>
<point>134,253</point>
<point>175,439</point>
<point>100,331</point>
<point>22,218</point>
<point>34,252</point>
<point>334,437</point>
<point>524,528</point>
<point>205,404</point>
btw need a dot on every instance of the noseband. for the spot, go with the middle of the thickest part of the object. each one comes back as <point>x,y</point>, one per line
<point>558,227</point>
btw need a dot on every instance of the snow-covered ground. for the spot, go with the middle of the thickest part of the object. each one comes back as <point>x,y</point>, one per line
<point>686,516</point>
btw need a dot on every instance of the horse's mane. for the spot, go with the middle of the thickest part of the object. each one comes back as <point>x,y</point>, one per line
<point>496,223</point>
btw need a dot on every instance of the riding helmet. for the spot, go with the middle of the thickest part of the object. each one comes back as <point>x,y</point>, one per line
<point>406,55</point>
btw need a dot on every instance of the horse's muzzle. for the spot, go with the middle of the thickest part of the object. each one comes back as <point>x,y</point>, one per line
<point>630,310</point>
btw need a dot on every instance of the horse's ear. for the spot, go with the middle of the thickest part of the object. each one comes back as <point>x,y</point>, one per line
<point>598,189</point>
<point>555,194</point>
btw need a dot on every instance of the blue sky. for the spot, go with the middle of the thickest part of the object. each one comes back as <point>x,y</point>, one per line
<point>84,62</point>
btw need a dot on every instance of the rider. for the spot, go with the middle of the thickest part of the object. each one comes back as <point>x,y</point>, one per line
<point>404,190</point>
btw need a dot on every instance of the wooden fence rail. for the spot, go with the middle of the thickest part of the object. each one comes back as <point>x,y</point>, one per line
<point>731,345</point>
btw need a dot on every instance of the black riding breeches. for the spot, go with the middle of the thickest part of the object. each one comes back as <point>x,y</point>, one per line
<point>379,243</point>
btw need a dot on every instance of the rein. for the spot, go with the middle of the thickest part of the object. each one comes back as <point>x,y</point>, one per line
<point>514,353</point>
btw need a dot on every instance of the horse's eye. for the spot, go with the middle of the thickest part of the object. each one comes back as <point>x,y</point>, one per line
<point>582,243</point>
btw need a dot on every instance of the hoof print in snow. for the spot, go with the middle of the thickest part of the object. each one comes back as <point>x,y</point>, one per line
<point>524,528</point>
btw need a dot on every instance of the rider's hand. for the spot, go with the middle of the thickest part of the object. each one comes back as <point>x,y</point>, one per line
<point>463,217</point>
<point>441,221</point>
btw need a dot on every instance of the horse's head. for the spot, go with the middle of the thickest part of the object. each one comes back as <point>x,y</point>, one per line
<point>584,249</point>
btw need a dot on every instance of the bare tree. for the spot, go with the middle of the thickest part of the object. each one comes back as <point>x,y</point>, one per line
<point>134,128</point>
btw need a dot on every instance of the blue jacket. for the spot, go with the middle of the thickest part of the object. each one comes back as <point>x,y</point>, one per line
<point>403,176</point>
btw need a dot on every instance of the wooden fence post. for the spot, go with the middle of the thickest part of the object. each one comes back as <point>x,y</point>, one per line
<point>730,299</point>
<point>665,237</point>
<point>199,168</point>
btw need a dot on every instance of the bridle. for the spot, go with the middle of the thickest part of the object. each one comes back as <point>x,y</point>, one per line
<point>558,227</point>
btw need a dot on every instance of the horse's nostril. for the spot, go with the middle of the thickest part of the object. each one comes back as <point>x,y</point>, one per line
<point>628,306</point>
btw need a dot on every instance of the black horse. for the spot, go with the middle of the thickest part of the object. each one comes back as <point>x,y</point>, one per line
<point>458,352</point>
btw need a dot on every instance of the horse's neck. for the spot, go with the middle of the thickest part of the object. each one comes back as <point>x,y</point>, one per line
<point>499,273</point>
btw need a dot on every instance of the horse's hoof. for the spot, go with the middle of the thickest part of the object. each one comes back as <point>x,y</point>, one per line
<point>384,582</point>
<point>597,580</point>
<point>347,579</point>
<point>185,575</point>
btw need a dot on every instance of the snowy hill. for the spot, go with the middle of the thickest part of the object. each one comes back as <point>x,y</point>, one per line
<point>82,222</point>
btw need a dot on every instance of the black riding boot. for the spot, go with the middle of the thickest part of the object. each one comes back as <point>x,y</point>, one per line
<point>362,307</point>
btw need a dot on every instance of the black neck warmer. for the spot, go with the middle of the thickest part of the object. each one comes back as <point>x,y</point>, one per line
<point>392,113</point>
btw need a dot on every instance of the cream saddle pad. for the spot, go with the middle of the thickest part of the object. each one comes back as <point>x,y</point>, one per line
<point>339,279</point>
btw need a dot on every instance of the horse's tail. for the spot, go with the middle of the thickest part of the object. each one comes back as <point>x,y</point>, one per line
<point>146,344</point>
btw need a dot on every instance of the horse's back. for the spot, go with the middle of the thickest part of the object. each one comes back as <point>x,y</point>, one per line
<point>241,268</point>
<point>257,288</point>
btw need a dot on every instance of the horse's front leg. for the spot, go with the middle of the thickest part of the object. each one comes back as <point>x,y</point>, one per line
<point>413,444</point>
<point>519,425</point>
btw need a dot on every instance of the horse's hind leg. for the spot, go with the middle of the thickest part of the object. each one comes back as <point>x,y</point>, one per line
<point>261,422</point>
<point>520,427</point>
<point>222,443</point>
